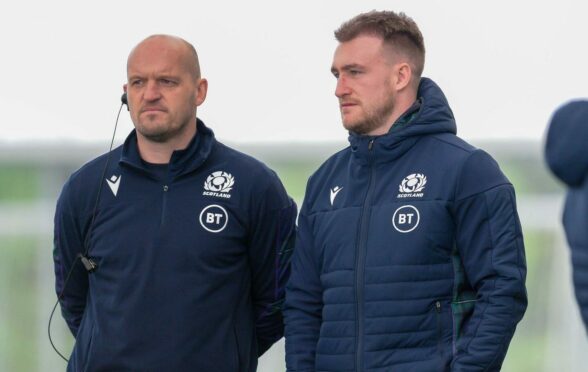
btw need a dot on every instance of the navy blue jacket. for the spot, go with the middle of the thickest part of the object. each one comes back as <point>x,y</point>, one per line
<point>409,255</point>
<point>566,153</point>
<point>192,259</point>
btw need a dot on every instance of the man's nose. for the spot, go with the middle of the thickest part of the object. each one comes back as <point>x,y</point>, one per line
<point>342,88</point>
<point>152,92</point>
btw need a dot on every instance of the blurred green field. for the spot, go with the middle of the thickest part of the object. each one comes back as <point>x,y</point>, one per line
<point>19,183</point>
<point>18,286</point>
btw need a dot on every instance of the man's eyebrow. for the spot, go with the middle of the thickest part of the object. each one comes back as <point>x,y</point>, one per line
<point>134,76</point>
<point>347,67</point>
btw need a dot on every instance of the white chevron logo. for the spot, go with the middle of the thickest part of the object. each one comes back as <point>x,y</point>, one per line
<point>334,191</point>
<point>114,183</point>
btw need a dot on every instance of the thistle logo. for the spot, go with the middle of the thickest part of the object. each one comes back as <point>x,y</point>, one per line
<point>219,184</point>
<point>412,185</point>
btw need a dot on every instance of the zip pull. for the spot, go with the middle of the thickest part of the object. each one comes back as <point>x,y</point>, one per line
<point>370,145</point>
<point>438,306</point>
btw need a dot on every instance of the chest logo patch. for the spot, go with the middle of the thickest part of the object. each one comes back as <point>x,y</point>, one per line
<point>406,219</point>
<point>114,183</point>
<point>334,191</point>
<point>214,218</point>
<point>219,184</point>
<point>412,186</point>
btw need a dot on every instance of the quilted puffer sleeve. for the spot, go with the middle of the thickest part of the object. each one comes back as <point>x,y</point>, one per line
<point>490,244</point>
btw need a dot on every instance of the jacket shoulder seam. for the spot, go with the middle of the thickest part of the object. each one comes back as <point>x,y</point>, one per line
<point>462,148</point>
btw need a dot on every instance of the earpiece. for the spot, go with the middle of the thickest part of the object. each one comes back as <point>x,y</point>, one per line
<point>124,100</point>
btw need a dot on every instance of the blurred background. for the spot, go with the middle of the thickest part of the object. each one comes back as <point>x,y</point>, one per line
<point>550,337</point>
<point>504,67</point>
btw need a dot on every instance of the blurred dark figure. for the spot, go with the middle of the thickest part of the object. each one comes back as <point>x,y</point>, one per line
<point>566,153</point>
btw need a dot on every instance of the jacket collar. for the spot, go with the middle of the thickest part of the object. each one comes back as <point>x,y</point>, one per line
<point>182,161</point>
<point>429,114</point>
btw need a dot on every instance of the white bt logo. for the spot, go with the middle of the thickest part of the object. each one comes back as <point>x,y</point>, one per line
<point>406,219</point>
<point>214,218</point>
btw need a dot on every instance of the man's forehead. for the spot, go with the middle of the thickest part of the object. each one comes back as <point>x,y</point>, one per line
<point>155,52</point>
<point>360,50</point>
<point>159,64</point>
<point>163,54</point>
<point>161,59</point>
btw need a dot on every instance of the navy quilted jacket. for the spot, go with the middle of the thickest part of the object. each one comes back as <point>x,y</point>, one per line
<point>567,156</point>
<point>409,255</point>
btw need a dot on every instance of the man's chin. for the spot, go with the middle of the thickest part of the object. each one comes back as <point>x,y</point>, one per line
<point>360,127</point>
<point>353,126</point>
<point>156,138</point>
<point>154,134</point>
<point>348,123</point>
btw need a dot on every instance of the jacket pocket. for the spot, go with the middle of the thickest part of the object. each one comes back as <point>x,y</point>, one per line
<point>439,319</point>
<point>462,310</point>
<point>443,320</point>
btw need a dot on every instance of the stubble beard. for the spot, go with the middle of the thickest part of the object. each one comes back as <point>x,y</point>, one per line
<point>373,119</point>
<point>157,137</point>
<point>160,132</point>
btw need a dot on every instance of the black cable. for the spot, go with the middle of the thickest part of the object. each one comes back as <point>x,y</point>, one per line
<point>55,307</point>
<point>88,263</point>
<point>86,241</point>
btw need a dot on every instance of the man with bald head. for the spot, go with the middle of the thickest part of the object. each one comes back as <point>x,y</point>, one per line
<point>176,246</point>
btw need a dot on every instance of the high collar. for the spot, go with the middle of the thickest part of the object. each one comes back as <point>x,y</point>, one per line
<point>430,114</point>
<point>182,161</point>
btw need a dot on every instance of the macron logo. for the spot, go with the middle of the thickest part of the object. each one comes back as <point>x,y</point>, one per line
<point>334,191</point>
<point>114,183</point>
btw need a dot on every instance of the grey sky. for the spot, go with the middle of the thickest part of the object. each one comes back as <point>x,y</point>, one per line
<point>503,65</point>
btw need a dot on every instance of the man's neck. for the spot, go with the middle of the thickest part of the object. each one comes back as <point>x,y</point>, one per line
<point>161,152</point>
<point>401,106</point>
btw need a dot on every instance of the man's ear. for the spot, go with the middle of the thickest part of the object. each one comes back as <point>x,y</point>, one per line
<point>202,86</point>
<point>402,76</point>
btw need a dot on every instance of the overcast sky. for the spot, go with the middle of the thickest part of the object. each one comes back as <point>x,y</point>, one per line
<point>503,65</point>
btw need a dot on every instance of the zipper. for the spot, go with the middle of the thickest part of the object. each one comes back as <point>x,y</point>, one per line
<point>439,333</point>
<point>464,302</point>
<point>163,204</point>
<point>360,262</point>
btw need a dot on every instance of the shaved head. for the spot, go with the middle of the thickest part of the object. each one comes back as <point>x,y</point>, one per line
<point>190,56</point>
<point>164,89</point>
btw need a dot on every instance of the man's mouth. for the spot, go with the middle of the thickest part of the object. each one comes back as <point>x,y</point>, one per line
<point>152,109</point>
<point>347,105</point>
